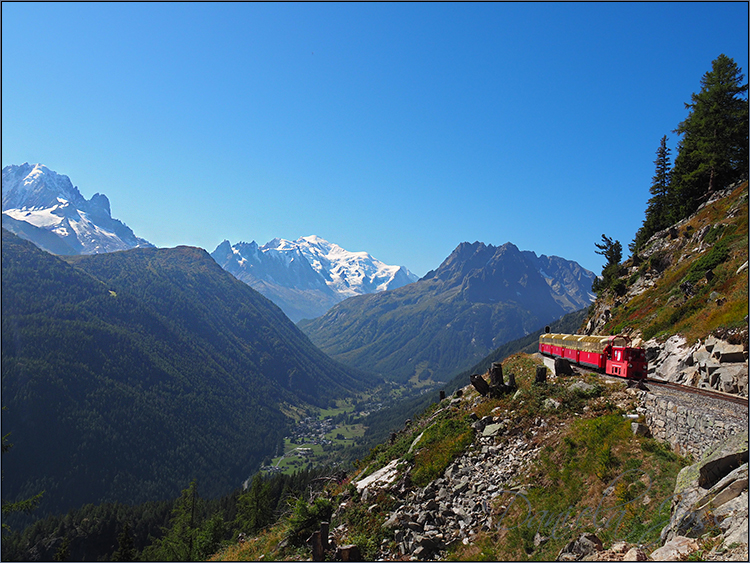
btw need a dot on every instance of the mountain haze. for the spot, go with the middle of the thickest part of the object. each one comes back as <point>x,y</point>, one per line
<point>308,276</point>
<point>44,207</point>
<point>480,297</point>
<point>128,374</point>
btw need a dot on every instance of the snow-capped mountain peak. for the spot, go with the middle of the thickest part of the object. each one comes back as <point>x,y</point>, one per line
<point>35,186</point>
<point>45,207</point>
<point>326,273</point>
<point>348,273</point>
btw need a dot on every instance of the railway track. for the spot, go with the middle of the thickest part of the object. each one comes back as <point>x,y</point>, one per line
<point>698,391</point>
<point>549,362</point>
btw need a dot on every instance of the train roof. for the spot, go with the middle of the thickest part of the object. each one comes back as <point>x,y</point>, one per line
<point>615,340</point>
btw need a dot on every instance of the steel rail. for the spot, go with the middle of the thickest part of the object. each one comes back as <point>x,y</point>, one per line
<point>699,391</point>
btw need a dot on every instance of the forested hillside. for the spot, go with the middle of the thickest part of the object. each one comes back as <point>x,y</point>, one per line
<point>126,375</point>
<point>156,530</point>
<point>712,152</point>
<point>690,279</point>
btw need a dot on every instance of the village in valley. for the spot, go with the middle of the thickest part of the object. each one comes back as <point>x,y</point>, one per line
<point>315,440</point>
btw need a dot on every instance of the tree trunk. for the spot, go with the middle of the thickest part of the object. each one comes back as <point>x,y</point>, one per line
<point>541,374</point>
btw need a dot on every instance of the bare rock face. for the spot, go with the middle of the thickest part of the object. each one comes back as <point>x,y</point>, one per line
<point>710,494</point>
<point>668,358</point>
<point>380,478</point>
<point>676,549</point>
<point>714,364</point>
<point>635,554</point>
<point>601,315</point>
<point>579,548</point>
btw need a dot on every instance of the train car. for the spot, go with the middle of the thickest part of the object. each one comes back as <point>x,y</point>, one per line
<point>611,354</point>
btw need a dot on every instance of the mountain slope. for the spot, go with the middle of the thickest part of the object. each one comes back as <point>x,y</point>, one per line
<point>480,297</point>
<point>689,279</point>
<point>382,422</point>
<point>687,283</point>
<point>45,208</point>
<point>128,374</point>
<point>306,277</point>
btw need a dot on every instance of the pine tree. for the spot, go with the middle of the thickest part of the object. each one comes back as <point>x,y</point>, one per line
<point>713,152</point>
<point>661,181</point>
<point>659,213</point>
<point>612,251</point>
<point>63,552</point>
<point>254,509</point>
<point>210,537</point>
<point>178,542</point>
<point>126,549</point>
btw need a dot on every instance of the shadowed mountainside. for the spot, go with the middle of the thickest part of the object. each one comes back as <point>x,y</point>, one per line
<point>126,375</point>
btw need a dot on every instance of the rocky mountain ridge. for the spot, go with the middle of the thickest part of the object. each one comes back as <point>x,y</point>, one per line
<point>479,298</point>
<point>44,207</point>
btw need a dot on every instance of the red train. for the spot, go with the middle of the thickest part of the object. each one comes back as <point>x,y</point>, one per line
<point>611,354</point>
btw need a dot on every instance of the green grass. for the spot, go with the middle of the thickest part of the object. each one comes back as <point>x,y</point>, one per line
<point>715,256</point>
<point>441,443</point>
<point>342,405</point>
<point>595,479</point>
<point>348,431</point>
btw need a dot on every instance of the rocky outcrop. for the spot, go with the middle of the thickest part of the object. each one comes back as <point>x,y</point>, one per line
<point>715,363</point>
<point>381,477</point>
<point>454,507</point>
<point>712,496</point>
<point>457,505</point>
<point>676,549</point>
<point>581,547</point>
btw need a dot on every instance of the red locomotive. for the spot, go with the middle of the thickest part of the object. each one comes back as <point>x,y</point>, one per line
<point>611,354</point>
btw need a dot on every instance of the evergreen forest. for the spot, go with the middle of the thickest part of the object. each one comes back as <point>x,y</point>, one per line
<point>127,375</point>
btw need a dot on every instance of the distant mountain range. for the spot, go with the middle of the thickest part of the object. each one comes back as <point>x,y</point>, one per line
<point>44,207</point>
<point>127,374</point>
<point>306,277</point>
<point>479,298</point>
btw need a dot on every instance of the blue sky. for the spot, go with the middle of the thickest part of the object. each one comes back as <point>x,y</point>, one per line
<point>402,130</point>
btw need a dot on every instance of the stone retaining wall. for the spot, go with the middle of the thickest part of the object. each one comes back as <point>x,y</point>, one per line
<point>686,428</point>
